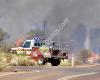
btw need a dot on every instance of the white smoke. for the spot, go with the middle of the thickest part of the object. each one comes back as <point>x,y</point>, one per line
<point>87,43</point>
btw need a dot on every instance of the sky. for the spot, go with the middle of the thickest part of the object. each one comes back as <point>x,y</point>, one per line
<point>19,16</point>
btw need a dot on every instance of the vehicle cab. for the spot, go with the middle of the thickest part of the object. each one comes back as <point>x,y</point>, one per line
<point>27,46</point>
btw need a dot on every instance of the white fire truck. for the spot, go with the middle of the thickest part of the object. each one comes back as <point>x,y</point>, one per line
<point>40,52</point>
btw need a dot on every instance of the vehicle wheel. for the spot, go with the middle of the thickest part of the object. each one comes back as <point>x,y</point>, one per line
<point>41,61</point>
<point>55,62</point>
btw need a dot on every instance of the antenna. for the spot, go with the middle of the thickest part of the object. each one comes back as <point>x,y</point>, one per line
<point>44,28</point>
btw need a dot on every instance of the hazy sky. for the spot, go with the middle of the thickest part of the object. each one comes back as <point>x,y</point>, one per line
<point>18,16</point>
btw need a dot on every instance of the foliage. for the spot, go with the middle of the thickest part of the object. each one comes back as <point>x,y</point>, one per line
<point>3,61</point>
<point>65,62</point>
<point>21,60</point>
<point>8,59</point>
<point>83,55</point>
<point>3,66</point>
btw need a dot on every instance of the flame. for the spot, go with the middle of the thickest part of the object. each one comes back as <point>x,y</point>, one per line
<point>19,41</point>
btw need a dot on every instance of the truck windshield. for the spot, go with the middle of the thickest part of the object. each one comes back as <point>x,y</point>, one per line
<point>27,44</point>
<point>38,44</point>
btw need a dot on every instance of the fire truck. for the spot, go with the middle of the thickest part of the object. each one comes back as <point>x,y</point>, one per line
<point>37,49</point>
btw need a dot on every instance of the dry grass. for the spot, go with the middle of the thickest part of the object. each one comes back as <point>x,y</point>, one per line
<point>3,61</point>
<point>69,63</point>
<point>65,63</point>
<point>3,66</point>
<point>19,60</point>
<point>8,59</point>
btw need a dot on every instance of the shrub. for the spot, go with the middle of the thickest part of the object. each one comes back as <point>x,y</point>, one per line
<point>3,61</point>
<point>14,60</point>
<point>65,62</point>
<point>3,57</point>
<point>77,62</point>
<point>19,60</point>
<point>3,66</point>
<point>83,56</point>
